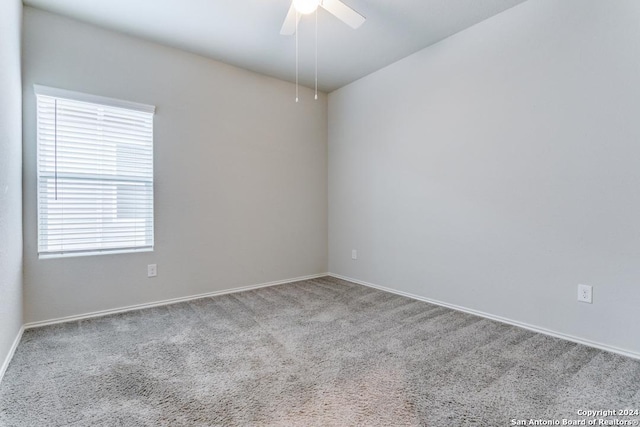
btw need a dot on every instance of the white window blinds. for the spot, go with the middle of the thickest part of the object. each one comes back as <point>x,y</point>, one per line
<point>95,174</point>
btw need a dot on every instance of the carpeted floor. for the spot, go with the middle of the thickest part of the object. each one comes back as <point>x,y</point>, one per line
<point>316,353</point>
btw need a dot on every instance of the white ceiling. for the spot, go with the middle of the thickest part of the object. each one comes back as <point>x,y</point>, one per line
<point>246,33</point>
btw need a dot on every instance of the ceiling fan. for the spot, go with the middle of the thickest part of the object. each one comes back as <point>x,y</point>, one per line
<point>305,7</point>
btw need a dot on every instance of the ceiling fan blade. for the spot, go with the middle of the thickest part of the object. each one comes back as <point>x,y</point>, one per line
<point>289,25</point>
<point>343,12</point>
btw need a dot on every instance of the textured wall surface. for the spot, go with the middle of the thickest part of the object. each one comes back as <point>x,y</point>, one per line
<point>10,176</point>
<point>240,172</point>
<point>498,169</point>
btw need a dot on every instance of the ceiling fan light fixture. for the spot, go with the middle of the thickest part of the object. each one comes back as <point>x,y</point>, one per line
<point>306,6</point>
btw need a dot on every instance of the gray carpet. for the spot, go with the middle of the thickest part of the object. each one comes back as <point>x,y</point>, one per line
<point>315,353</point>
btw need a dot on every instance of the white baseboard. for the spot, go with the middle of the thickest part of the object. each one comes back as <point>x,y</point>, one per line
<point>533,328</point>
<point>12,351</point>
<point>165,302</point>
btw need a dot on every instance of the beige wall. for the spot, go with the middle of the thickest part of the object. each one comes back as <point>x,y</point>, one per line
<point>10,177</point>
<point>240,172</point>
<point>499,169</point>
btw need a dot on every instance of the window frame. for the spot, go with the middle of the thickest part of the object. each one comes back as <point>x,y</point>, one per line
<point>101,101</point>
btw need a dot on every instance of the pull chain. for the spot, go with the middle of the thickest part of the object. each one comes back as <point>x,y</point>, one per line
<point>316,54</point>
<point>297,18</point>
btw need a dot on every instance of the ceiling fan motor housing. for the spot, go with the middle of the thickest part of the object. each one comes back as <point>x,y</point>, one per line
<point>306,6</point>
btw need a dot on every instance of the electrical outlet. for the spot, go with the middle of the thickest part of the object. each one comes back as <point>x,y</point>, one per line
<point>585,293</point>
<point>152,270</point>
<point>354,254</point>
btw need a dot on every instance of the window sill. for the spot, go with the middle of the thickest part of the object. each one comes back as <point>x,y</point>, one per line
<point>92,253</point>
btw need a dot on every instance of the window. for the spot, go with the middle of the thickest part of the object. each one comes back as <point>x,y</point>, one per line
<point>95,174</point>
